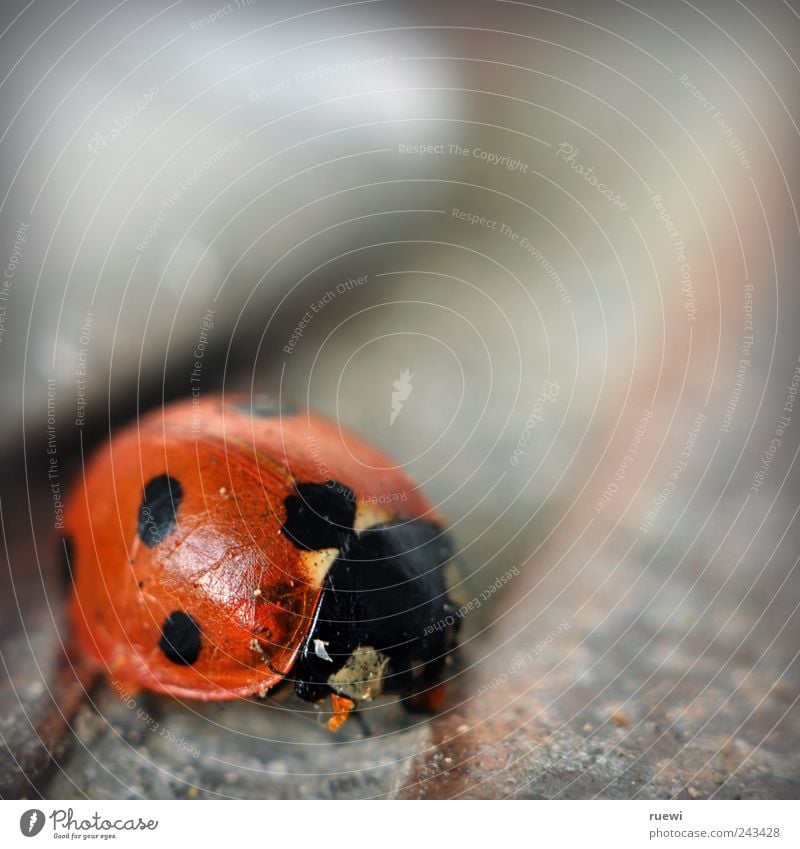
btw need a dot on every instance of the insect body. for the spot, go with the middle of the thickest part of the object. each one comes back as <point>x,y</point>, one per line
<point>220,556</point>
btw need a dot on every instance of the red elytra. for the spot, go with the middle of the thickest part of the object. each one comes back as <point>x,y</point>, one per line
<point>225,559</point>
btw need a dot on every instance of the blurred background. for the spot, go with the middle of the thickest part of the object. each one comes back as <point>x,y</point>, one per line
<point>574,224</point>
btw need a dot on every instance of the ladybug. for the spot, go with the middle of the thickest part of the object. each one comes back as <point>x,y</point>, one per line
<point>226,550</point>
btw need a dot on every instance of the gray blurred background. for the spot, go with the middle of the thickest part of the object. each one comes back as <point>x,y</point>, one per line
<point>574,224</point>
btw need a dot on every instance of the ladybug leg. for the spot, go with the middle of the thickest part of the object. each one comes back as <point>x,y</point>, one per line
<point>125,692</point>
<point>341,710</point>
<point>359,718</point>
<point>429,701</point>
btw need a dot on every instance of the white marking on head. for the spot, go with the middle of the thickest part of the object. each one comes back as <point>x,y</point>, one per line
<point>320,651</point>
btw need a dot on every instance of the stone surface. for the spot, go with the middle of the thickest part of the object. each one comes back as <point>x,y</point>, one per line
<point>598,678</point>
<point>634,700</point>
<point>41,687</point>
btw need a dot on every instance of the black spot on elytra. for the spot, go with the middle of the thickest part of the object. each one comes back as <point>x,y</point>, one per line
<point>320,515</point>
<point>67,552</point>
<point>162,497</point>
<point>265,407</point>
<point>180,638</point>
<point>389,592</point>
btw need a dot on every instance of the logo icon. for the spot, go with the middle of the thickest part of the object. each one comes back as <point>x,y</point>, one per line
<point>402,389</point>
<point>31,822</point>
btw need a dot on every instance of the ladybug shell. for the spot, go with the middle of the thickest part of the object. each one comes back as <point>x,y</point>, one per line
<point>191,575</point>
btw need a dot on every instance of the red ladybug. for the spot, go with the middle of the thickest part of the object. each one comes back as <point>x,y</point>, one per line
<point>219,551</point>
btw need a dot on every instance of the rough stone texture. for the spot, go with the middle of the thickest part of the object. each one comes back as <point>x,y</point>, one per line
<point>629,704</point>
<point>147,747</point>
<point>40,687</point>
<point>654,690</point>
